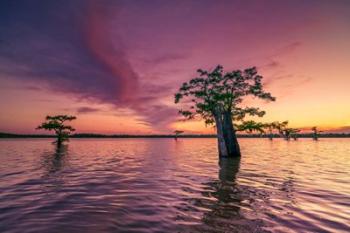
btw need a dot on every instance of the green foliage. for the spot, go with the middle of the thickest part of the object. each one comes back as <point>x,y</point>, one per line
<point>279,126</point>
<point>251,126</point>
<point>287,133</point>
<point>282,129</point>
<point>56,124</point>
<point>217,91</point>
<point>276,125</point>
<point>290,131</point>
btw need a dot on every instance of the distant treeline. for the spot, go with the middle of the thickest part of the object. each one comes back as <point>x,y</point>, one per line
<point>91,135</point>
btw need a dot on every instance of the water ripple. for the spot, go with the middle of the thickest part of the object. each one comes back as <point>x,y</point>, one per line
<point>162,185</point>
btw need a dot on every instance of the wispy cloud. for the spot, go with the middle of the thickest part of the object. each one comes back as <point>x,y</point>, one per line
<point>291,47</point>
<point>83,110</point>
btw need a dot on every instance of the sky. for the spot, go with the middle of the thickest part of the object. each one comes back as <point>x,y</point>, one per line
<point>117,64</point>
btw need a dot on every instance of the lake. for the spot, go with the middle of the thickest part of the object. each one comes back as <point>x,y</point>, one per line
<point>163,185</point>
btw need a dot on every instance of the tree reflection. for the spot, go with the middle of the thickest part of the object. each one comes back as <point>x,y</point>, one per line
<point>53,163</point>
<point>225,211</point>
<point>227,195</point>
<point>227,191</point>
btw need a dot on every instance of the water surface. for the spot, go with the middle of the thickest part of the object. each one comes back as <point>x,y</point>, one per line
<point>163,185</point>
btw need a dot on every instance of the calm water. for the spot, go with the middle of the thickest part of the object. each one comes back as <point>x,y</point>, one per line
<point>162,185</point>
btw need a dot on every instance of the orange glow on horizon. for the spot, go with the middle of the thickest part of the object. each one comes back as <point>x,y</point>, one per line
<point>117,68</point>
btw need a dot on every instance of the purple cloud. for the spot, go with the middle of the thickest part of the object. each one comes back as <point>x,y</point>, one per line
<point>83,110</point>
<point>134,54</point>
<point>69,48</point>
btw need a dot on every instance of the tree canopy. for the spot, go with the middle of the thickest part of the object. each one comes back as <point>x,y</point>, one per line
<point>216,96</point>
<point>222,91</point>
<point>315,132</point>
<point>56,124</point>
<point>280,126</point>
<point>251,126</point>
<point>178,132</point>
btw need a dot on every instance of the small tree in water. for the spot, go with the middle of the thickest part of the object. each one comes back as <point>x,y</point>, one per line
<point>281,126</point>
<point>315,133</point>
<point>215,96</point>
<point>284,131</point>
<point>270,127</point>
<point>275,125</point>
<point>250,127</point>
<point>177,133</point>
<point>56,123</point>
<point>288,133</point>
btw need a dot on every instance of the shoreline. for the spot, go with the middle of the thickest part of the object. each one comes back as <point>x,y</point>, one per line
<point>87,135</point>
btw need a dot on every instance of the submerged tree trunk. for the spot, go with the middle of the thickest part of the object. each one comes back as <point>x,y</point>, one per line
<point>59,140</point>
<point>227,139</point>
<point>230,136</point>
<point>271,135</point>
<point>220,134</point>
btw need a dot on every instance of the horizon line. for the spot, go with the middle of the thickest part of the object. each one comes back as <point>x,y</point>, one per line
<point>97,135</point>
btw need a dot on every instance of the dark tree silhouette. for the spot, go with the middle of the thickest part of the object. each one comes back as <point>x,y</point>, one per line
<point>56,123</point>
<point>276,125</point>
<point>250,127</point>
<point>270,127</point>
<point>288,133</point>
<point>294,133</point>
<point>177,133</point>
<point>280,126</point>
<point>216,97</point>
<point>315,133</point>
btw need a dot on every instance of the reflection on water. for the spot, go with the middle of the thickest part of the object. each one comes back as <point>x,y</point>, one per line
<point>163,185</point>
<point>54,162</point>
<point>224,214</point>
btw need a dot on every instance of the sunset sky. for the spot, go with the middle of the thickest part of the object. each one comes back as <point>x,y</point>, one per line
<point>117,64</point>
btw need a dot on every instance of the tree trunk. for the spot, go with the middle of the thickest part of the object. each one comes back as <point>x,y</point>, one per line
<point>59,140</point>
<point>227,139</point>
<point>271,135</point>
<point>220,134</point>
<point>58,136</point>
<point>230,136</point>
